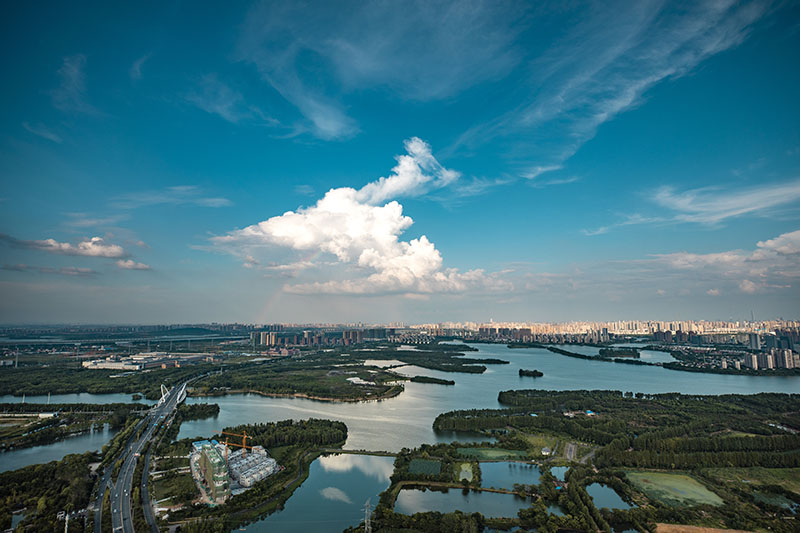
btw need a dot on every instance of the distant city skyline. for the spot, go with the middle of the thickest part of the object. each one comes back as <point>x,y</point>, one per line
<point>399,162</point>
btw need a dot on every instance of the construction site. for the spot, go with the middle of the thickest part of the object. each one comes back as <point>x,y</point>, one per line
<point>221,472</point>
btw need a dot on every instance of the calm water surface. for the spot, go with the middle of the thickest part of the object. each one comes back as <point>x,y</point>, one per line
<point>82,397</point>
<point>503,474</point>
<point>333,496</point>
<point>82,443</point>
<point>406,420</point>
<point>490,504</point>
<point>605,497</point>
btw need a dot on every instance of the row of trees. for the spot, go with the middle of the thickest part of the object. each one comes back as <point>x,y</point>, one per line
<point>312,432</point>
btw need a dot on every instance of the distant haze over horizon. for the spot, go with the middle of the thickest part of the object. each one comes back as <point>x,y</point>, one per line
<point>347,161</point>
<point>630,326</point>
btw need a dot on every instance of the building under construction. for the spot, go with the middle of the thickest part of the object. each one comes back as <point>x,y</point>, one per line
<point>215,472</point>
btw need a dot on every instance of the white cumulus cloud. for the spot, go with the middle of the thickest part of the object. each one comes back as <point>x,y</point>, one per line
<point>130,264</point>
<point>92,247</point>
<point>364,234</point>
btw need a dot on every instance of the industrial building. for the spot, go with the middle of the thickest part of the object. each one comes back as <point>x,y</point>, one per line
<point>146,360</point>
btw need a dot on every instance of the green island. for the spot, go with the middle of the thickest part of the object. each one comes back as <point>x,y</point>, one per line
<point>444,361</point>
<point>428,379</point>
<point>530,373</point>
<point>316,378</point>
<point>619,352</point>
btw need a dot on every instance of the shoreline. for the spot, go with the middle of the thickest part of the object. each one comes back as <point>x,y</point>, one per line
<point>393,391</point>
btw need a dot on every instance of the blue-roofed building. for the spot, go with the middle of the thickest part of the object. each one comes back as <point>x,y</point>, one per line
<point>198,445</point>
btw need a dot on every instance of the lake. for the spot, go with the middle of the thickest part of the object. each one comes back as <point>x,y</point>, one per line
<point>406,420</point>
<point>489,504</point>
<point>605,497</point>
<point>94,440</point>
<point>333,496</point>
<point>504,474</point>
<point>81,397</point>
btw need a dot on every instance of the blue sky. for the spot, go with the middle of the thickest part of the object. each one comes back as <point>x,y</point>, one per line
<point>399,161</point>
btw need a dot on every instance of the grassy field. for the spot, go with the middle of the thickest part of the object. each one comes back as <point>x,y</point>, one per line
<point>464,471</point>
<point>492,454</point>
<point>170,463</point>
<point>13,426</point>
<point>788,478</point>
<point>540,440</point>
<point>179,487</point>
<point>673,489</point>
<point>425,466</point>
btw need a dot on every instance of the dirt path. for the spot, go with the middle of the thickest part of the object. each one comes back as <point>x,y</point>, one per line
<point>677,528</point>
<point>588,457</point>
<point>570,450</point>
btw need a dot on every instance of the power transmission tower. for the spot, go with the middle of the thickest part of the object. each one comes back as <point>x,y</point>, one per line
<point>367,517</point>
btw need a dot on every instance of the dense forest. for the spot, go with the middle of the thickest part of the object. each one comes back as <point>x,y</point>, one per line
<point>46,489</point>
<point>309,433</point>
<point>428,379</point>
<point>652,430</point>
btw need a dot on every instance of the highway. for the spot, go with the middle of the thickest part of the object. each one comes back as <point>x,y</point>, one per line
<point>121,508</point>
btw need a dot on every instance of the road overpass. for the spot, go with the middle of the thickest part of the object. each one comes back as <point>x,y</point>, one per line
<point>121,505</point>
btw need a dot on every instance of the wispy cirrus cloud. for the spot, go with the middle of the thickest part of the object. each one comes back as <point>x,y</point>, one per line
<point>135,72</point>
<point>90,247</point>
<point>63,271</point>
<point>43,131</point>
<point>84,220</point>
<point>711,205</point>
<point>419,50</point>
<point>218,98</point>
<point>602,66</point>
<point>70,95</point>
<point>177,195</point>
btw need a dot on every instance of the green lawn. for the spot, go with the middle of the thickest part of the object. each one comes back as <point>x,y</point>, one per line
<point>673,489</point>
<point>491,454</point>
<point>539,440</point>
<point>425,466</point>
<point>788,478</point>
